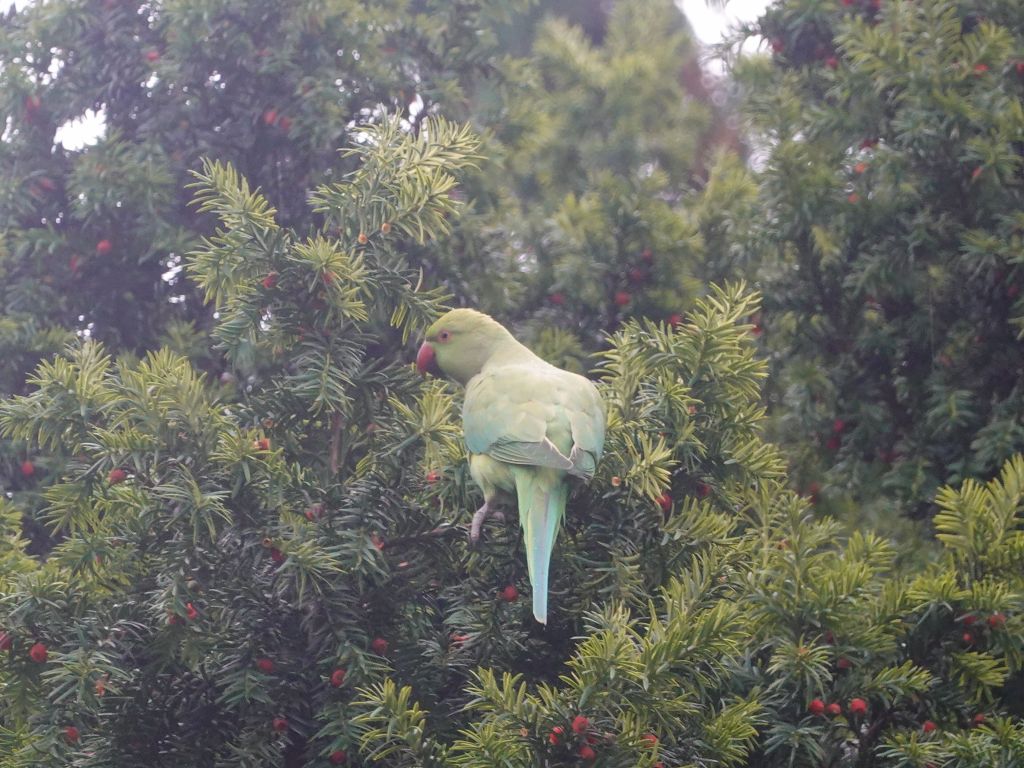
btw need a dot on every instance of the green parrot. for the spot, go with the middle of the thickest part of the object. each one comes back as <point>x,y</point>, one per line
<point>528,427</point>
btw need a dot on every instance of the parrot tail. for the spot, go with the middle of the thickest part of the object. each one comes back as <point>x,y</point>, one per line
<point>542,494</point>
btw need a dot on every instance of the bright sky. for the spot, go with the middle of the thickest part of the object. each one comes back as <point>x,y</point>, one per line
<point>710,23</point>
<point>709,20</point>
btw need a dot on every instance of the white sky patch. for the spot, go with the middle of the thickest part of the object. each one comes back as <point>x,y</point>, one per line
<point>81,132</point>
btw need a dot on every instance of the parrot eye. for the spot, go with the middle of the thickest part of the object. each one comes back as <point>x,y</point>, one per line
<point>444,336</point>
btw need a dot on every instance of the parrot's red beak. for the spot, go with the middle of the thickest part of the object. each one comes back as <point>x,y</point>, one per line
<point>426,361</point>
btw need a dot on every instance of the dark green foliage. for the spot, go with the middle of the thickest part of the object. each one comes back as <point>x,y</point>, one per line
<point>890,238</point>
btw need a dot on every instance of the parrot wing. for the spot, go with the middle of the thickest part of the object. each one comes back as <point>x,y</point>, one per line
<point>535,415</point>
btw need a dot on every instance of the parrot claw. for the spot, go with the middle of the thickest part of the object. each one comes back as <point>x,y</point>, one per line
<point>479,517</point>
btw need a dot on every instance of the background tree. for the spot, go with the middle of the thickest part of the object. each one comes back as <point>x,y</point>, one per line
<point>889,239</point>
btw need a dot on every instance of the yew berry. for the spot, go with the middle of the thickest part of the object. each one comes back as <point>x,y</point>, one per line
<point>928,726</point>
<point>675,319</point>
<point>263,444</point>
<point>379,646</point>
<point>284,123</point>
<point>665,502</point>
<point>816,707</point>
<point>5,641</point>
<point>270,117</point>
<point>558,299</point>
<point>509,594</point>
<point>280,724</point>
<point>556,734</point>
<point>38,653</point>
<point>433,476</point>
<point>265,665</point>
<point>152,56</point>
<point>27,468</point>
<point>834,709</point>
<point>117,475</point>
<point>385,228</point>
<point>363,239</point>
<point>338,678</point>
<point>104,246</point>
<point>191,612</point>
<point>831,62</point>
<point>277,555</point>
<point>649,740</point>
<point>858,706</point>
<point>270,280</point>
<point>338,757</point>
<point>71,734</point>
<point>622,298</point>
<point>997,620</point>
<point>587,753</point>
<point>580,724</point>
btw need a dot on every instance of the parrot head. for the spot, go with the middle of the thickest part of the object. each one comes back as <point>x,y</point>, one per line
<point>459,344</point>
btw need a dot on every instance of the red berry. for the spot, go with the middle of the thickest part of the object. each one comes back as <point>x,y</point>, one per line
<point>869,143</point>
<point>284,123</point>
<point>997,620</point>
<point>816,707</point>
<point>459,639</point>
<point>117,475</point>
<point>833,443</point>
<point>853,197</point>
<point>104,246</point>
<point>1019,66</point>
<point>28,468</point>
<point>191,612</point>
<point>622,298</point>
<point>838,425</point>
<point>379,646</point>
<point>647,256</point>
<point>5,641</point>
<point>265,665</point>
<point>74,263</point>
<point>831,62</point>
<point>338,678</point>
<point>968,638</point>
<point>433,476</point>
<point>277,555</point>
<point>263,444</point>
<point>580,724</point>
<point>280,724</point>
<point>665,502</point>
<point>270,117</point>
<point>509,594</point>
<point>558,299</point>
<point>703,489</point>
<point>71,734</point>
<point>858,706</point>
<point>778,46</point>
<point>338,757</point>
<point>385,228</point>
<point>637,275</point>
<point>981,68</point>
<point>38,653</point>
<point>649,740</point>
<point>556,734</point>
<point>270,280</point>
<point>844,663</point>
<point>928,726</point>
<point>978,719</point>
<point>976,173</point>
<point>675,319</point>
<point>152,56</point>
<point>860,168</point>
<point>587,753</point>
<point>834,709</point>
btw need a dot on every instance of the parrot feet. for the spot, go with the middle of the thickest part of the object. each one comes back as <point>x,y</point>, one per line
<point>480,517</point>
